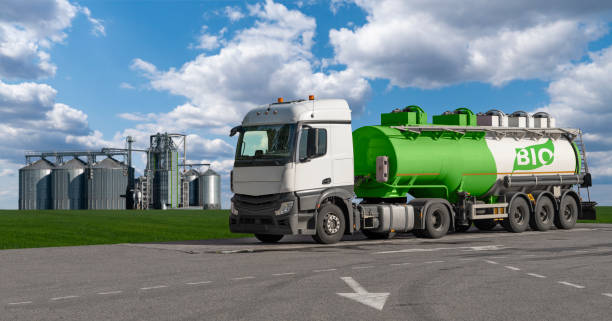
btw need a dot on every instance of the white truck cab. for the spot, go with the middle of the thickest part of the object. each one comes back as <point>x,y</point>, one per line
<point>291,157</point>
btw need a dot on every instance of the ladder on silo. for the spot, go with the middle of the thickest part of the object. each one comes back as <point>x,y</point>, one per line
<point>584,166</point>
<point>145,192</point>
<point>185,194</point>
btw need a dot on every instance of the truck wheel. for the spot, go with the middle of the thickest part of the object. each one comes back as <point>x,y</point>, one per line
<point>437,221</point>
<point>330,224</point>
<point>518,216</point>
<point>268,238</point>
<point>543,216</point>
<point>485,225</point>
<point>378,236</point>
<point>568,213</point>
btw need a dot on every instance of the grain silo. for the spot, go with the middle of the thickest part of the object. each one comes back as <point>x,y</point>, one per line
<point>164,164</point>
<point>190,178</point>
<point>69,185</point>
<point>107,184</point>
<point>210,190</point>
<point>35,186</point>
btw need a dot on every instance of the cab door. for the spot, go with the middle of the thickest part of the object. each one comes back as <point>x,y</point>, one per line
<point>314,161</point>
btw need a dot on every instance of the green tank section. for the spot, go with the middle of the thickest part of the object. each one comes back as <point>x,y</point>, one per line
<point>426,164</point>
<point>431,164</point>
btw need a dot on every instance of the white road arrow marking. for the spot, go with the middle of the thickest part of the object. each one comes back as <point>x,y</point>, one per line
<point>373,300</point>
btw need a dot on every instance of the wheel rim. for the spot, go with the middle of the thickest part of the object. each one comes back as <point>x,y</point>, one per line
<point>436,218</point>
<point>567,212</point>
<point>519,215</point>
<point>544,213</point>
<point>331,223</point>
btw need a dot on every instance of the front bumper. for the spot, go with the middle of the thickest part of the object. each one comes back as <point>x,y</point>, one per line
<point>256,215</point>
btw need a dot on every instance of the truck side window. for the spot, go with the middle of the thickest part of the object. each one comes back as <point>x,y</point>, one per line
<point>321,143</point>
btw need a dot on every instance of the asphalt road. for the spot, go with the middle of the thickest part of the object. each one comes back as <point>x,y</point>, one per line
<point>555,275</point>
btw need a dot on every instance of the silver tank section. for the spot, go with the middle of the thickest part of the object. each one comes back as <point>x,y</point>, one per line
<point>107,181</point>
<point>191,177</point>
<point>35,186</point>
<point>210,190</point>
<point>69,185</point>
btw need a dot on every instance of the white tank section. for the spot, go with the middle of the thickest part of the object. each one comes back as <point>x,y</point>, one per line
<point>543,156</point>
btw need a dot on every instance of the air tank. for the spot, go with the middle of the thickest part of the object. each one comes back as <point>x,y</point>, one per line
<point>69,185</point>
<point>425,162</point>
<point>35,186</point>
<point>191,178</point>
<point>210,190</point>
<point>107,184</point>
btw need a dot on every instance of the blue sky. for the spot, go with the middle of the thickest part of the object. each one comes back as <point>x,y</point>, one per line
<point>83,75</point>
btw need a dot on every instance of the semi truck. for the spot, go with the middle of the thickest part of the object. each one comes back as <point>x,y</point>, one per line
<point>299,169</point>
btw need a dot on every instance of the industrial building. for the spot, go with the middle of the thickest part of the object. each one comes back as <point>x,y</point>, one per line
<point>105,179</point>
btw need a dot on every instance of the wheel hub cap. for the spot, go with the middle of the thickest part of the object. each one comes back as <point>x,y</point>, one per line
<point>332,224</point>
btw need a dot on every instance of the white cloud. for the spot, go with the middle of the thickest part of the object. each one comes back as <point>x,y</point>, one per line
<point>98,27</point>
<point>233,13</point>
<point>580,99</point>
<point>270,59</point>
<point>125,85</point>
<point>430,44</point>
<point>207,41</point>
<point>28,29</point>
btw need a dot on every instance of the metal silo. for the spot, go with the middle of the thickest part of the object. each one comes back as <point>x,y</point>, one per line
<point>210,190</point>
<point>107,181</point>
<point>191,177</point>
<point>69,185</point>
<point>164,164</point>
<point>35,186</point>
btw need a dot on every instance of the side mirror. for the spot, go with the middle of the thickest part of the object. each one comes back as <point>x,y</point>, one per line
<point>235,130</point>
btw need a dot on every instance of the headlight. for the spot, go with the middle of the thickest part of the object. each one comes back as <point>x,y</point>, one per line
<point>233,210</point>
<point>284,208</point>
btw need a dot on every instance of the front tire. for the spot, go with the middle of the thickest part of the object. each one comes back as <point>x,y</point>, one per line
<point>330,224</point>
<point>568,213</point>
<point>437,221</point>
<point>268,238</point>
<point>518,216</point>
<point>543,215</point>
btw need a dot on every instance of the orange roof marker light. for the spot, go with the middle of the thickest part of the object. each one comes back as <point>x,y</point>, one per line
<point>311,97</point>
<point>280,100</point>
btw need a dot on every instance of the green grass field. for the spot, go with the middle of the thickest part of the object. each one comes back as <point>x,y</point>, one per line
<point>26,229</point>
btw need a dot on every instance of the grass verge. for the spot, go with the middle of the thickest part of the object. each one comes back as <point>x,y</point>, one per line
<point>27,229</point>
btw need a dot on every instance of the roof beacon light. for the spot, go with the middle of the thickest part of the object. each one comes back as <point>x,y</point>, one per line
<point>311,97</point>
<point>280,100</point>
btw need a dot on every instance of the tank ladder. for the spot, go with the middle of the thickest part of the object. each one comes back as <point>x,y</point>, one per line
<point>584,167</point>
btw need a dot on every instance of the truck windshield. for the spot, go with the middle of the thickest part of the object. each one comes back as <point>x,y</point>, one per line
<point>265,145</point>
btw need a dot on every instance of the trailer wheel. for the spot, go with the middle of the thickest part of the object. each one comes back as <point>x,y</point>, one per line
<point>437,221</point>
<point>568,213</point>
<point>378,236</point>
<point>543,216</point>
<point>268,238</point>
<point>330,224</point>
<point>518,216</point>
<point>485,225</point>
